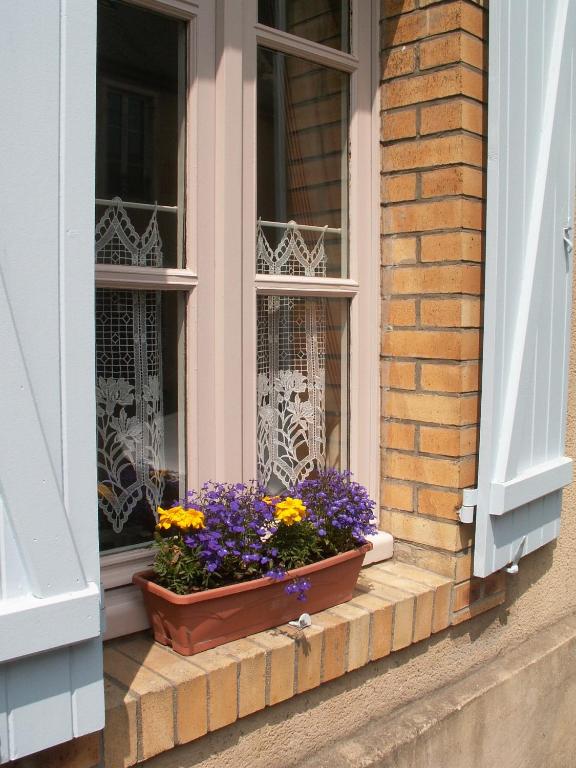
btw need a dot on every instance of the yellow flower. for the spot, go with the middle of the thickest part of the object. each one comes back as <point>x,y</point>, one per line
<point>180,518</point>
<point>290,511</point>
<point>271,499</point>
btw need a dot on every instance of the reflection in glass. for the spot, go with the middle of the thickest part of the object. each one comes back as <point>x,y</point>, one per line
<point>139,395</point>
<point>140,118</point>
<point>302,152</point>
<point>323,21</point>
<point>302,388</point>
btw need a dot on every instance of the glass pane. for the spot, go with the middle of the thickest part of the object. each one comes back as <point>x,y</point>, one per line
<point>302,157</point>
<point>140,123</point>
<point>140,410</point>
<point>302,390</point>
<point>323,21</point>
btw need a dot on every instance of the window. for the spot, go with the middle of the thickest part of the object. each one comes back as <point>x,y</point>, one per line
<point>235,256</point>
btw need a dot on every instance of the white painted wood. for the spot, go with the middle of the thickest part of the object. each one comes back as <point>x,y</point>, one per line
<point>362,286</point>
<point>382,548</point>
<point>49,555</point>
<point>125,612</point>
<point>144,278</point>
<point>531,170</point>
<point>71,617</point>
<point>284,42</point>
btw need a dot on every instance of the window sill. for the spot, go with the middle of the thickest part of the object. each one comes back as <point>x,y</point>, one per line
<point>156,699</point>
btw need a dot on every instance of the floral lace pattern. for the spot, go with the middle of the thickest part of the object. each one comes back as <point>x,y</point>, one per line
<point>129,402</point>
<point>291,340</point>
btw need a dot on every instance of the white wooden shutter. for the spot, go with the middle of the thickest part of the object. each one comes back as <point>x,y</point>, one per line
<point>51,687</point>
<point>531,169</point>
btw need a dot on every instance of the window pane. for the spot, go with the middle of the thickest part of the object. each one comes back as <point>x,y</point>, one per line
<point>302,387</point>
<point>140,119</point>
<point>323,21</point>
<point>302,158</point>
<point>140,410</point>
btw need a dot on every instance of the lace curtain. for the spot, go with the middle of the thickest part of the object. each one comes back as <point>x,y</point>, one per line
<point>129,401</point>
<point>291,372</point>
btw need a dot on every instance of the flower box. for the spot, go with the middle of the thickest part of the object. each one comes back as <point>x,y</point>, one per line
<point>205,619</point>
<point>232,560</point>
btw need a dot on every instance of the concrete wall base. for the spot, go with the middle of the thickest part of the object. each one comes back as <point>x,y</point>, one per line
<point>518,711</point>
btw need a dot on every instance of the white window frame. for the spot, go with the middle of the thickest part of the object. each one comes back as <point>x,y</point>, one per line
<point>124,611</point>
<point>220,269</point>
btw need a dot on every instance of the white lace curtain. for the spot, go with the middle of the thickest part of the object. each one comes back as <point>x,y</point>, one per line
<point>129,407</point>
<point>291,367</point>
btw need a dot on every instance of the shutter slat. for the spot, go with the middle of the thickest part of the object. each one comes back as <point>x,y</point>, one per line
<point>530,193</point>
<point>51,681</point>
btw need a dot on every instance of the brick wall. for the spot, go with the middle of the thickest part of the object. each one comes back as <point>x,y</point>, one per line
<point>433,101</point>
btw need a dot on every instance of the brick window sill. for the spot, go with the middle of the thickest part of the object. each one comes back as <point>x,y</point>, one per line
<point>156,699</point>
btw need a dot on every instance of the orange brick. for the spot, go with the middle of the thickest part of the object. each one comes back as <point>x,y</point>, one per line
<point>453,246</point>
<point>453,115</point>
<point>397,496</point>
<point>496,582</point>
<point>335,641</point>
<point>120,732</point>
<point>448,442</point>
<point>434,279</point>
<point>464,566</point>
<point>398,435</point>
<point>396,62</point>
<point>434,533</point>
<point>400,124</point>
<point>398,375</point>
<point>441,214</point>
<point>358,634</point>
<point>395,7</point>
<point>309,656</point>
<point>432,152</point>
<point>394,189</point>
<point>406,29</point>
<point>459,473</point>
<point>457,180</point>
<point>434,21</point>
<point>442,377</point>
<point>404,605</point>
<point>190,684</point>
<point>156,704</point>
<point>381,614</point>
<point>423,595</point>
<point>280,663</point>
<point>453,81</point>
<point>222,687</point>
<point>466,593</point>
<point>439,503</point>
<point>251,660</point>
<point>436,409</point>
<point>481,606</point>
<point>451,48</point>
<point>399,312</point>
<point>451,313</point>
<point>447,345</point>
<point>434,560</point>
<point>441,585</point>
<point>398,250</point>
<point>457,15</point>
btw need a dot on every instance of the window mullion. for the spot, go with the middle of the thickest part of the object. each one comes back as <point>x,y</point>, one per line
<point>284,42</point>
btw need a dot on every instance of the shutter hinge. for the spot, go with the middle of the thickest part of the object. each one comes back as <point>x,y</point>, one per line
<point>469,501</point>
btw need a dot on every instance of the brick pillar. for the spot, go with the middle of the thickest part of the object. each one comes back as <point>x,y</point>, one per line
<point>433,101</point>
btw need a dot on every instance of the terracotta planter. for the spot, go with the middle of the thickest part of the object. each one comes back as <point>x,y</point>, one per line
<point>194,623</point>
